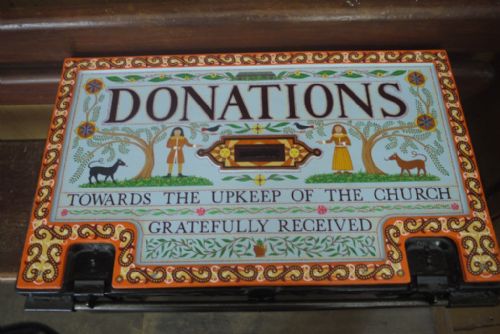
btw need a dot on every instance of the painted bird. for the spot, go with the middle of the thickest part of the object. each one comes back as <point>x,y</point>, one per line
<point>303,127</point>
<point>211,129</point>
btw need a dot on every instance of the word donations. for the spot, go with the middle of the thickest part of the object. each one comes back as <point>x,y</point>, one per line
<point>318,100</point>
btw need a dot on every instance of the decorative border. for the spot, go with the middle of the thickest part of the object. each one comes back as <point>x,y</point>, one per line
<point>46,244</point>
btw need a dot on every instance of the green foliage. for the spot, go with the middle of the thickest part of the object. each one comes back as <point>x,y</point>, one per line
<point>279,177</point>
<point>160,79</point>
<point>82,158</point>
<point>115,79</point>
<point>108,142</point>
<point>198,248</point>
<point>277,246</point>
<point>299,75</point>
<point>398,72</point>
<point>378,72</point>
<point>213,77</point>
<point>351,74</point>
<point>272,177</point>
<point>134,77</point>
<point>156,181</point>
<point>239,178</point>
<point>326,73</point>
<point>358,73</point>
<point>361,177</point>
<point>394,134</point>
<point>281,75</point>
<point>322,246</point>
<point>185,76</point>
<point>253,210</point>
<point>275,127</point>
<point>392,143</point>
<point>433,153</point>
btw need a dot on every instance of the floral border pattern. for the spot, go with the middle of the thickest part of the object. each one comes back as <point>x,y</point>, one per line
<point>46,243</point>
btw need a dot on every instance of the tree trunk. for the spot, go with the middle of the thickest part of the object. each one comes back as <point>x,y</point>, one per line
<point>149,162</point>
<point>366,155</point>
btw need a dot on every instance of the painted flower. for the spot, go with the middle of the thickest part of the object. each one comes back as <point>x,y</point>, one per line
<point>94,86</point>
<point>259,179</point>
<point>86,130</point>
<point>416,78</point>
<point>298,73</point>
<point>294,152</point>
<point>64,212</point>
<point>321,209</point>
<point>426,122</point>
<point>257,129</point>
<point>455,206</point>
<point>201,211</point>
<point>225,152</point>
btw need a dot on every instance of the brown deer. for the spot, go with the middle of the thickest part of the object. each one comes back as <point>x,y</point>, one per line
<point>410,164</point>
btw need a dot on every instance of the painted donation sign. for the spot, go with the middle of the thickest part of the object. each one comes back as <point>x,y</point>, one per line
<point>258,169</point>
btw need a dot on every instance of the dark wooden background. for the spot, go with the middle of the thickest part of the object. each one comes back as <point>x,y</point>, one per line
<point>35,37</point>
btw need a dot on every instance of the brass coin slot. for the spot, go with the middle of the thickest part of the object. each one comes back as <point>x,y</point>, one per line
<point>259,153</point>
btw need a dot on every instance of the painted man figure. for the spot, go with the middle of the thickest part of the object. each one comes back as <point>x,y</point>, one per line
<point>175,143</point>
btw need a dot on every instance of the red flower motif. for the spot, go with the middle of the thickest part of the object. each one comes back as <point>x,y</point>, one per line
<point>455,206</point>
<point>200,211</point>
<point>64,212</point>
<point>322,209</point>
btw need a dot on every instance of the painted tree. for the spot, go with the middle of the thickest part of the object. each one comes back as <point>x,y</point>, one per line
<point>421,132</point>
<point>108,142</point>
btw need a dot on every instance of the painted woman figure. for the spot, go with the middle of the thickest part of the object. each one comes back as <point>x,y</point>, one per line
<point>175,143</point>
<point>341,162</point>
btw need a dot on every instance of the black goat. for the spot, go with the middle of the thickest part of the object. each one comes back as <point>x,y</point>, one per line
<point>106,171</point>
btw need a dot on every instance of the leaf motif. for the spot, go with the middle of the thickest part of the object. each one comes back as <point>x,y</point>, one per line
<point>134,77</point>
<point>398,72</point>
<point>378,72</point>
<point>213,77</point>
<point>281,74</point>
<point>185,76</point>
<point>244,178</point>
<point>326,72</point>
<point>299,75</point>
<point>351,75</point>
<point>115,79</point>
<point>160,78</point>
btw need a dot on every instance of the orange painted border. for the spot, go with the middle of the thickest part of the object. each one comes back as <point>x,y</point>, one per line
<point>46,245</point>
